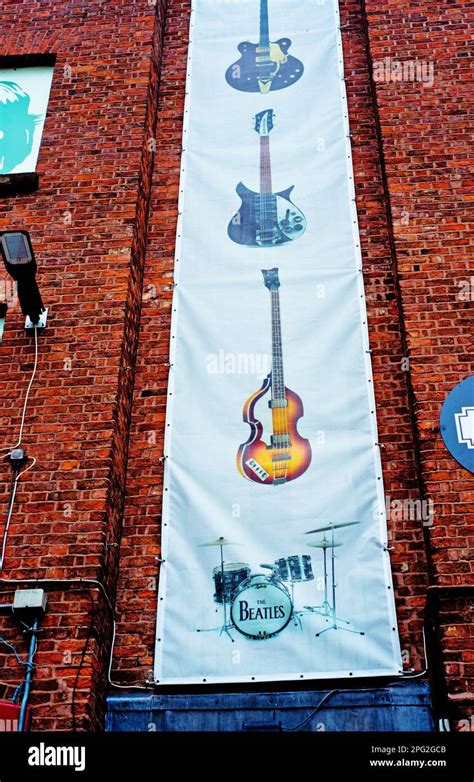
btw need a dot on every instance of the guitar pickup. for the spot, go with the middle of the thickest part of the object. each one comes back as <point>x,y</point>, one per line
<point>278,403</point>
<point>280,441</point>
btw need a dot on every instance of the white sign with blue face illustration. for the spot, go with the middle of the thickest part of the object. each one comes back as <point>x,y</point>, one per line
<point>457,423</point>
<point>24,94</point>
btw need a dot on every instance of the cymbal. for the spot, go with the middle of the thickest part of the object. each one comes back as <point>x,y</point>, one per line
<point>219,542</point>
<point>332,526</point>
<point>324,544</point>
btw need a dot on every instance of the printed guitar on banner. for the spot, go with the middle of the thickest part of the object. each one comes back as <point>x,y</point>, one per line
<point>285,455</point>
<point>264,66</point>
<point>265,219</point>
<point>275,563</point>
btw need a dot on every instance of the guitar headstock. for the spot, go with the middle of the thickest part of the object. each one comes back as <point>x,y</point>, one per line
<point>264,122</point>
<point>270,278</point>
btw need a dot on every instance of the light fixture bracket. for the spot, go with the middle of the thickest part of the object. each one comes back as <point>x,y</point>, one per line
<point>43,319</point>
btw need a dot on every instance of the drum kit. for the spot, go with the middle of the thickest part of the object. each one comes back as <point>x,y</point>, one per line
<point>260,606</point>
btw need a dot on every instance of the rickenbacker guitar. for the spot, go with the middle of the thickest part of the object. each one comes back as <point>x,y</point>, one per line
<point>264,66</point>
<point>265,219</point>
<point>274,453</point>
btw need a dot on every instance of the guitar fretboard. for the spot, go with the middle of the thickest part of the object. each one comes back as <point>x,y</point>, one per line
<point>278,381</point>
<point>264,32</point>
<point>265,166</point>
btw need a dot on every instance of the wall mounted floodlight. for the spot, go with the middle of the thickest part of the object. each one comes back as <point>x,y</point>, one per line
<point>20,263</point>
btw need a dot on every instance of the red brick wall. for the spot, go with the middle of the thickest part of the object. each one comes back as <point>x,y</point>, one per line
<point>426,143</point>
<point>404,402</point>
<point>88,223</point>
<point>140,542</point>
<point>95,166</point>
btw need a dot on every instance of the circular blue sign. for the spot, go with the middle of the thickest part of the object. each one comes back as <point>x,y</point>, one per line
<point>457,423</point>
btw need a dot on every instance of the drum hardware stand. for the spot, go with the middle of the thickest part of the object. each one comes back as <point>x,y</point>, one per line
<point>324,608</point>
<point>296,614</point>
<point>337,622</point>
<point>226,625</point>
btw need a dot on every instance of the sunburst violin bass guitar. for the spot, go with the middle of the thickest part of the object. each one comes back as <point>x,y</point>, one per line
<point>274,453</point>
<point>265,219</point>
<point>264,66</point>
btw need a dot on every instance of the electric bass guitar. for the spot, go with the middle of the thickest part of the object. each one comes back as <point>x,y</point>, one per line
<point>265,219</point>
<point>274,452</point>
<point>266,65</point>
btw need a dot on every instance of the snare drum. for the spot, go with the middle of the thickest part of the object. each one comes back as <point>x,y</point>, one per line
<point>295,568</point>
<point>261,607</point>
<point>234,574</point>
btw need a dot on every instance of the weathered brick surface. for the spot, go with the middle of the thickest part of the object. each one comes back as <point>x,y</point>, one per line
<point>88,221</point>
<point>137,597</point>
<point>427,150</point>
<point>137,592</point>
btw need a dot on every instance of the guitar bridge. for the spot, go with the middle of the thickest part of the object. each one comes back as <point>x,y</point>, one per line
<point>266,237</point>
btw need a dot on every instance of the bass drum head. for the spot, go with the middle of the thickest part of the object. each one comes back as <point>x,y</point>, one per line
<point>261,608</point>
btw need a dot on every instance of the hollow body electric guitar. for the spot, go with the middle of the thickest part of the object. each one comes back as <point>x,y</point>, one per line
<point>274,453</point>
<point>265,219</point>
<point>264,66</point>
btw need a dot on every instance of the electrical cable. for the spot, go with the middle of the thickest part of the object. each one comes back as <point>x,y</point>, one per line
<point>425,671</point>
<point>398,681</point>
<point>81,662</point>
<point>6,528</point>
<point>27,664</point>
<point>25,404</point>
<point>31,665</point>
<point>19,660</point>
<point>311,715</point>
<point>78,582</point>
<point>109,672</point>
<point>16,477</point>
<point>14,486</point>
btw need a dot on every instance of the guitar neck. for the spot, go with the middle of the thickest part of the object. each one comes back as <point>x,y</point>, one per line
<point>264,42</point>
<point>278,381</point>
<point>265,166</point>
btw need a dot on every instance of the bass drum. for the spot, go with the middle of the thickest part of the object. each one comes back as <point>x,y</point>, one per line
<point>261,608</point>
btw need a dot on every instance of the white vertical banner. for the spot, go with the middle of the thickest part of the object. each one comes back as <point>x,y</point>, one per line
<point>274,534</point>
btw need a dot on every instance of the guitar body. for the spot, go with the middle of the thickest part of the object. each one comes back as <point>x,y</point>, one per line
<point>259,71</point>
<point>265,459</point>
<point>284,222</point>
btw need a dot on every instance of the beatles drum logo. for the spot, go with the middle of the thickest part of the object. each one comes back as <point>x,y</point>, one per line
<point>261,607</point>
